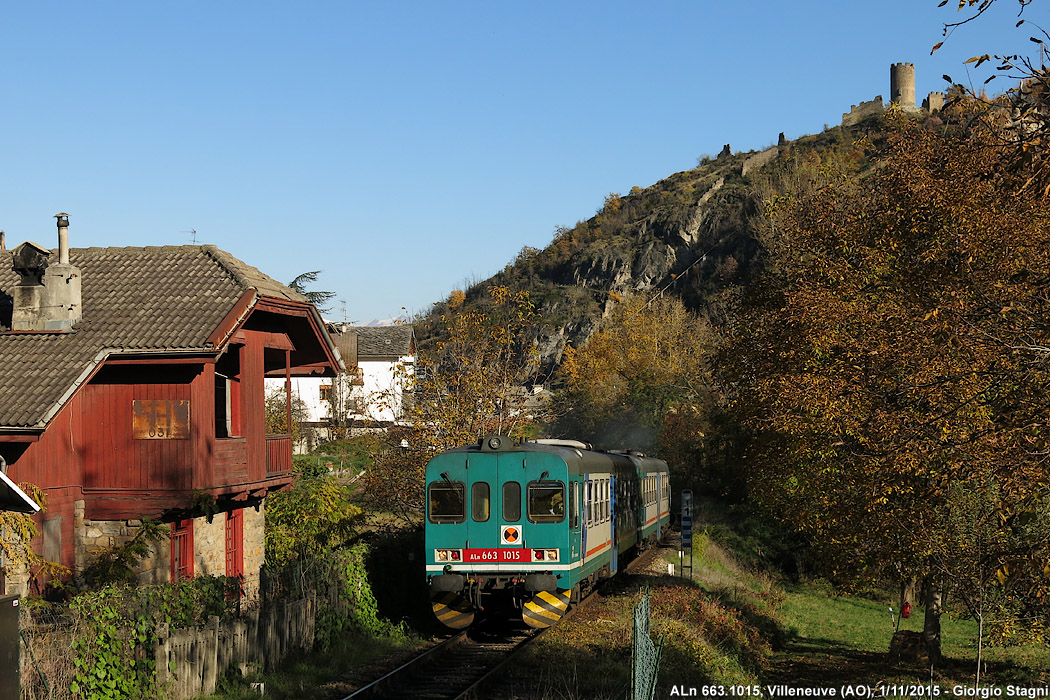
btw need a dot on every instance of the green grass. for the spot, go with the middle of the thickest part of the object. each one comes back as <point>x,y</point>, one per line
<point>822,624</point>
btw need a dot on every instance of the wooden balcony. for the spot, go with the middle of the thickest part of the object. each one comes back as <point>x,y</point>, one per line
<point>231,461</point>
<point>278,455</point>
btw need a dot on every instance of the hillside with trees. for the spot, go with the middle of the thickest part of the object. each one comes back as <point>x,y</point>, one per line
<point>851,338</point>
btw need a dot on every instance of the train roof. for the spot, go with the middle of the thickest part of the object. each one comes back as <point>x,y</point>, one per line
<point>577,455</point>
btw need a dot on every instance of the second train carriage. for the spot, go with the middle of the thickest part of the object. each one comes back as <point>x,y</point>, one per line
<point>533,523</point>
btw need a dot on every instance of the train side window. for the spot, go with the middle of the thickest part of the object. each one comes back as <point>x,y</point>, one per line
<point>546,501</point>
<point>511,501</point>
<point>590,505</point>
<point>574,509</point>
<point>600,506</point>
<point>446,502</point>
<point>608,498</point>
<point>605,500</point>
<point>479,501</point>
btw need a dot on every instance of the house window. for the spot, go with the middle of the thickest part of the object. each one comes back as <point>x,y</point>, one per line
<point>223,410</point>
<point>326,392</point>
<point>53,539</point>
<point>235,543</point>
<point>181,550</point>
<point>160,419</point>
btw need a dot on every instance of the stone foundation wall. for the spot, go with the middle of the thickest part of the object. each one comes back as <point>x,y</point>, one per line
<point>254,548</point>
<point>209,546</point>
<point>94,536</point>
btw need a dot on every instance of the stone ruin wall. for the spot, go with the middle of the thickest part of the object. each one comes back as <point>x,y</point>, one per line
<point>902,93</point>
<point>858,113</point>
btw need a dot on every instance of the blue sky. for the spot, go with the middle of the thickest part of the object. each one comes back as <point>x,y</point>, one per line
<point>408,148</point>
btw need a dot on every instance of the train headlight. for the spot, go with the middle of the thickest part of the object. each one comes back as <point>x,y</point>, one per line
<point>442,555</point>
<point>545,555</point>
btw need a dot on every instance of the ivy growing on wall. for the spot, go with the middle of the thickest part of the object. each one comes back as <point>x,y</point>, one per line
<point>113,655</point>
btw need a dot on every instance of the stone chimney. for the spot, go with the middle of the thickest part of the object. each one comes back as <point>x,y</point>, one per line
<point>47,298</point>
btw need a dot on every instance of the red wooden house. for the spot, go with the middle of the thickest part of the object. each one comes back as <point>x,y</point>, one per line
<point>131,387</point>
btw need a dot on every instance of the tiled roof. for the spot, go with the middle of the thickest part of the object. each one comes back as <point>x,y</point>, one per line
<point>382,341</point>
<point>153,298</point>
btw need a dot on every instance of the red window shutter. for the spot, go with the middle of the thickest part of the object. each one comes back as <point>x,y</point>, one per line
<point>235,543</point>
<point>181,550</point>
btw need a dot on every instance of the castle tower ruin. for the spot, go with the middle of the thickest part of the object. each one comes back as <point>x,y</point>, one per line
<point>902,85</point>
<point>934,103</point>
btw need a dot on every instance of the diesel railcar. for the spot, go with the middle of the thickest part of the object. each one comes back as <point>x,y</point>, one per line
<point>531,524</point>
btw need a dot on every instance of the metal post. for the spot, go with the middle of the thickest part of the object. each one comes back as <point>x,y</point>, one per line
<point>288,391</point>
<point>687,530</point>
<point>10,648</point>
<point>646,654</point>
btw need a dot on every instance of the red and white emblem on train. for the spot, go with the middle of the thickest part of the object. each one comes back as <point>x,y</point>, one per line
<point>510,534</point>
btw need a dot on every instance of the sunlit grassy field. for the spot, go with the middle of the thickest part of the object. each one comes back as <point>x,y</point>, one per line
<point>817,621</point>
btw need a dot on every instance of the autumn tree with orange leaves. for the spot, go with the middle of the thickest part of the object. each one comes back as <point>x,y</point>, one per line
<point>892,371</point>
<point>472,382</point>
<point>642,382</point>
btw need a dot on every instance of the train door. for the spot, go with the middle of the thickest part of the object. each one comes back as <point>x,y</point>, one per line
<point>576,529</point>
<point>509,477</point>
<point>494,510</point>
<point>588,511</point>
<point>480,472</point>
<point>614,554</point>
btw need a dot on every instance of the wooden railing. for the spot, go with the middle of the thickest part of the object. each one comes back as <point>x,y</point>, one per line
<point>231,461</point>
<point>278,454</point>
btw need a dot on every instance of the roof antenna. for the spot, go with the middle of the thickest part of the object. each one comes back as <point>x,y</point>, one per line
<point>193,235</point>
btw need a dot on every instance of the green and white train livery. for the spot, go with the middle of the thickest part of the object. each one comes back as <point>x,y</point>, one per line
<point>532,524</point>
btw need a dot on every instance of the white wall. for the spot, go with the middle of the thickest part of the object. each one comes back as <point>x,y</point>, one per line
<point>381,397</point>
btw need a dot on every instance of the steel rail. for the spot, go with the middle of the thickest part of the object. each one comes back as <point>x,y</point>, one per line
<point>473,650</point>
<point>433,653</point>
<point>476,690</point>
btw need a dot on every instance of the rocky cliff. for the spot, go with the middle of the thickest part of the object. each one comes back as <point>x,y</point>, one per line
<point>692,235</point>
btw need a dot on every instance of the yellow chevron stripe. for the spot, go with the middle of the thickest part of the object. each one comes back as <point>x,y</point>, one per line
<point>536,621</point>
<point>537,610</point>
<point>459,622</point>
<point>450,614</point>
<point>536,624</point>
<point>558,601</point>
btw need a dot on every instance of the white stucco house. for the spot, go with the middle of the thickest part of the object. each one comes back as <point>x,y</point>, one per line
<point>380,361</point>
<point>386,358</point>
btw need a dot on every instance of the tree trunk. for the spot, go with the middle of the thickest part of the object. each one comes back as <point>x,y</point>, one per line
<point>931,628</point>
<point>907,593</point>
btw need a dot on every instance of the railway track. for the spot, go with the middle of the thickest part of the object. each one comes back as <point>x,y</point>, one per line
<point>463,666</point>
<point>456,667</point>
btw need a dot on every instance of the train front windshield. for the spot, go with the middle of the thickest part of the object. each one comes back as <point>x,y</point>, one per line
<point>446,502</point>
<point>546,501</point>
